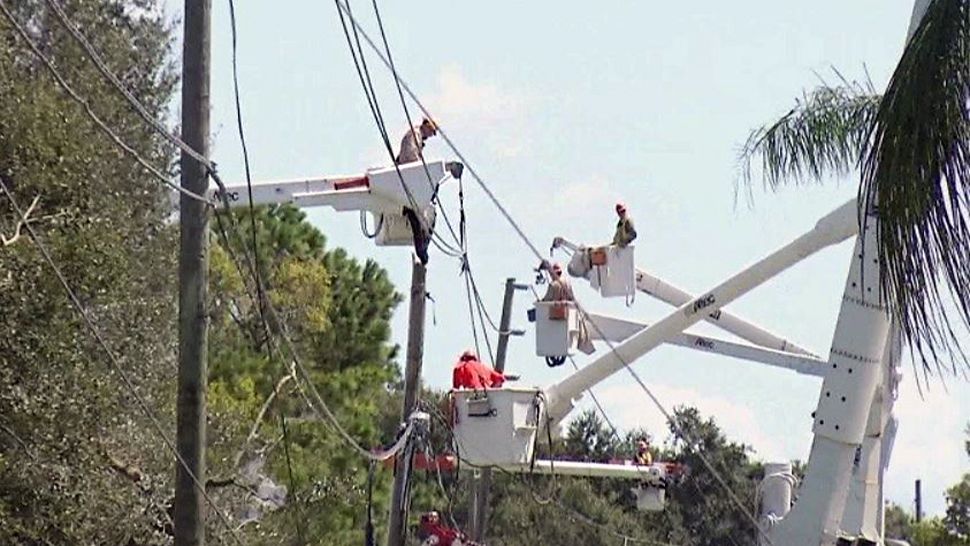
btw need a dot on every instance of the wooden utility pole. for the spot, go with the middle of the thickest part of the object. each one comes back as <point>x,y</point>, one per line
<point>189,517</point>
<point>479,511</point>
<point>919,501</point>
<point>412,387</point>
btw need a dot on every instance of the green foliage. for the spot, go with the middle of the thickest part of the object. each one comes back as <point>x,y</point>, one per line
<point>598,511</point>
<point>912,146</point>
<point>80,465</point>
<point>957,518</point>
<point>916,173</point>
<point>824,134</point>
<point>313,291</point>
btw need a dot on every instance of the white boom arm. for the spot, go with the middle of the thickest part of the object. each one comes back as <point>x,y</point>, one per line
<point>378,190</point>
<point>668,293</point>
<point>832,229</point>
<point>616,329</point>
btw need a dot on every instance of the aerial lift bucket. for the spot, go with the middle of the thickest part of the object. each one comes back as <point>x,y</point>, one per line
<point>557,328</point>
<point>496,427</point>
<point>615,276</point>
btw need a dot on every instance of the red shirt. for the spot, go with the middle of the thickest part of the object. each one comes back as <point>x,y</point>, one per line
<point>472,374</point>
<point>444,535</point>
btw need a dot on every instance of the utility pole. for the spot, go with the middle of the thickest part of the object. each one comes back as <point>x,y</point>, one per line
<point>479,511</point>
<point>189,517</point>
<point>919,501</point>
<point>397,522</point>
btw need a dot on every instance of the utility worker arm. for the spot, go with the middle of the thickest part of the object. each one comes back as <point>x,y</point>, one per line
<point>497,378</point>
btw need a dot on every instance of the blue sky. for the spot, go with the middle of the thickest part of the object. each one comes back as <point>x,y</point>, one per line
<point>565,107</point>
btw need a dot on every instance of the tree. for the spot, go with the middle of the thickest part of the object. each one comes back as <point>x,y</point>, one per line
<point>562,510</point>
<point>912,148</point>
<point>336,312</point>
<point>80,463</point>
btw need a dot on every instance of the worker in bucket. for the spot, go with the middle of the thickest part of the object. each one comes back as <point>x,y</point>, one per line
<point>625,233</point>
<point>643,457</point>
<point>411,148</point>
<point>412,145</point>
<point>432,532</point>
<point>560,290</point>
<point>471,373</point>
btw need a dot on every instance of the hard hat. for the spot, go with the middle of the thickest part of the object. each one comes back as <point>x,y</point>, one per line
<point>620,207</point>
<point>468,355</point>
<point>430,122</point>
<point>557,267</point>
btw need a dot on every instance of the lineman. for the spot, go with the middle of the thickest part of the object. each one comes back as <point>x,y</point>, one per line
<point>643,457</point>
<point>470,373</point>
<point>432,532</point>
<point>411,147</point>
<point>413,142</point>
<point>625,233</point>
<point>560,290</point>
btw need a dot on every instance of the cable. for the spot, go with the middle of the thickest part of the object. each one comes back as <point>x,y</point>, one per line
<point>435,412</point>
<point>367,84</point>
<point>102,67</point>
<point>407,113</point>
<point>317,405</point>
<point>112,359</point>
<point>539,255</point>
<point>535,251</point>
<point>260,293</point>
<point>90,113</point>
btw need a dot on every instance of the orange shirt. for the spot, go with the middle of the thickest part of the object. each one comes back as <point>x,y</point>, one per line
<point>472,374</point>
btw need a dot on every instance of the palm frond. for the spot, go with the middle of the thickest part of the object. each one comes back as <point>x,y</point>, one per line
<point>825,133</point>
<point>916,173</point>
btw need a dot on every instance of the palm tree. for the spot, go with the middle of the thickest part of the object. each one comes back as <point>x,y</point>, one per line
<point>911,146</point>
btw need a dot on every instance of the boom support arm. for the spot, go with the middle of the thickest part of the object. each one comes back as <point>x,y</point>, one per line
<point>670,294</point>
<point>832,229</point>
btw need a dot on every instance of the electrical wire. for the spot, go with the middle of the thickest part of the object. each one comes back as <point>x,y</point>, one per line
<point>35,49</point>
<point>508,217</point>
<point>400,83</point>
<point>368,86</point>
<point>553,499</point>
<point>363,73</point>
<point>113,360</point>
<point>102,67</point>
<point>315,401</point>
<point>407,113</point>
<point>260,293</point>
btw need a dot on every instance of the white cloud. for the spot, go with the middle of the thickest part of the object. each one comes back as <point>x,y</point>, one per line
<point>481,110</point>
<point>629,406</point>
<point>577,199</point>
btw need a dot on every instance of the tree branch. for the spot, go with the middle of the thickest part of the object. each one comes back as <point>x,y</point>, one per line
<point>253,431</point>
<point>4,241</point>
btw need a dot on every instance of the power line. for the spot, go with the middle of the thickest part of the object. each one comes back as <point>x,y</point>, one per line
<point>102,67</point>
<point>319,405</point>
<point>367,84</point>
<point>260,294</point>
<point>553,499</point>
<point>90,112</point>
<point>508,217</point>
<point>407,113</point>
<point>112,359</point>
